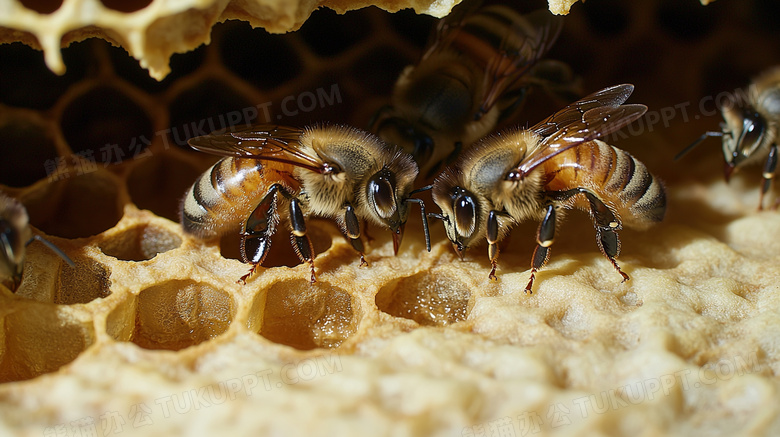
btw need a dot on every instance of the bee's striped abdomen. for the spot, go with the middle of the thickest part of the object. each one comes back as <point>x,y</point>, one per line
<point>619,179</point>
<point>223,196</point>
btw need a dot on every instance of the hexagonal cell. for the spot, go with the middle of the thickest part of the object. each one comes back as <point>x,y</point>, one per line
<point>263,59</point>
<point>178,314</point>
<point>28,151</point>
<point>106,126</point>
<point>38,339</point>
<point>126,6</point>
<point>75,206</point>
<point>209,106</point>
<point>140,243</point>
<point>159,183</point>
<point>343,31</point>
<point>433,298</point>
<point>88,281</point>
<point>305,316</point>
<point>28,83</point>
<point>44,7</point>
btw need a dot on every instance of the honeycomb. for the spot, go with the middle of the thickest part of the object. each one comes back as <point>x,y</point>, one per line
<point>150,334</point>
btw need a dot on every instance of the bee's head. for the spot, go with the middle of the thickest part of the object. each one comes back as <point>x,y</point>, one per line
<point>744,133</point>
<point>461,211</point>
<point>388,195</point>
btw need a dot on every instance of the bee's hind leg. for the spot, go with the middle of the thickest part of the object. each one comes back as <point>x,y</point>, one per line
<point>257,232</point>
<point>606,225</point>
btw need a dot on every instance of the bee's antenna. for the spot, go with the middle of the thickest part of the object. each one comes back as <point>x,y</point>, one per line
<point>704,136</point>
<point>422,212</point>
<point>53,248</point>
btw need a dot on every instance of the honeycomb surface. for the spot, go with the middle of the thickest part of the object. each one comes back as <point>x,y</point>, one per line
<point>151,335</point>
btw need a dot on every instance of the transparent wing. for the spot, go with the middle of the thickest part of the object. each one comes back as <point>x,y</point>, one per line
<point>521,47</point>
<point>613,97</point>
<point>593,124</point>
<point>264,142</point>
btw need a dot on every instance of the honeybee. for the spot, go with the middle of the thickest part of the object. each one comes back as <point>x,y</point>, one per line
<point>272,174</point>
<point>539,172</point>
<point>750,129</point>
<point>472,74</point>
<point>15,236</point>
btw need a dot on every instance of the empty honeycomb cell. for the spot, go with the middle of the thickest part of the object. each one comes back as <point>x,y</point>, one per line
<point>26,149</point>
<point>342,33</point>
<point>209,106</point>
<point>106,126</point>
<point>75,206</point>
<point>281,252</point>
<point>305,316</point>
<point>126,6</point>
<point>129,69</point>
<point>140,243</point>
<point>177,314</point>
<point>433,298</point>
<point>40,338</point>
<point>88,281</point>
<point>27,83</point>
<point>258,57</point>
<point>159,183</point>
<point>42,6</point>
<point>377,70</point>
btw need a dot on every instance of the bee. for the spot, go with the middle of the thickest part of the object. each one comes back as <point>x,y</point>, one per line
<point>472,74</point>
<point>537,173</point>
<point>276,174</point>
<point>15,236</point>
<point>750,129</point>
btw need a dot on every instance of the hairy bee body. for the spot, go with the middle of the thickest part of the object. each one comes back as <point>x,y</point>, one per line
<point>750,130</point>
<point>622,182</point>
<point>221,197</point>
<point>469,78</point>
<point>540,172</point>
<point>275,174</point>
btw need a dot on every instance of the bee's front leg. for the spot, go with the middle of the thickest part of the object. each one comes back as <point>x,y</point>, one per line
<point>492,239</point>
<point>769,173</point>
<point>258,230</point>
<point>545,236</point>
<point>351,229</point>
<point>300,241</point>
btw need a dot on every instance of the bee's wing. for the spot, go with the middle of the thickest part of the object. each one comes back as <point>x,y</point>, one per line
<point>265,142</point>
<point>613,97</point>
<point>537,32</point>
<point>448,28</point>
<point>592,124</point>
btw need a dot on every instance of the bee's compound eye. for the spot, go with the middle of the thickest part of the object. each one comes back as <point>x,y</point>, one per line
<point>465,210</point>
<point>381,191</point>
<point>752,133</point>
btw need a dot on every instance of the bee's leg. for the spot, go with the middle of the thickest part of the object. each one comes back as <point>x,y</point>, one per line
<point>352,231</point>
<point>258,230</point>
<point>492,239</point>
<point>545,237</point>
<point>769,173</point>
<point>604,221</point>
<point>606,225</point>
<point>300,241</point>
